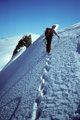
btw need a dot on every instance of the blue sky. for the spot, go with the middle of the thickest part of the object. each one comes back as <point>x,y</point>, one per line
<point>18,17</point>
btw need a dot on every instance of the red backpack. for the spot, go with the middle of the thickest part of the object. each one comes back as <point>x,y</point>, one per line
<point>48,33</point>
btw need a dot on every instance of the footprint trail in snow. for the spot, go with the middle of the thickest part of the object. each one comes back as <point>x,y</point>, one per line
<point>42,88</point>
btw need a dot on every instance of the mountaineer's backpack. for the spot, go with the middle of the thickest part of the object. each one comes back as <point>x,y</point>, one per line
<point>48,33</point>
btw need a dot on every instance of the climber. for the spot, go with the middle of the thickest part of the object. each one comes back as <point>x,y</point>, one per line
<point>49,32</point>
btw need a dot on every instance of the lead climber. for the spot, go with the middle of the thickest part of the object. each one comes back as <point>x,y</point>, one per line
<point>49,32</point>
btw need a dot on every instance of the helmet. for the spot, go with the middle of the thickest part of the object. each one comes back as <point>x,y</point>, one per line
<point>53,26</point>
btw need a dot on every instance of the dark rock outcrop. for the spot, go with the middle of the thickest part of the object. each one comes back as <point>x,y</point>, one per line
<point>25,41</point>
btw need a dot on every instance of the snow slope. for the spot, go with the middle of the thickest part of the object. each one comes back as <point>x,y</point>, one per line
<point>8,45</point>
<point>38,86</point>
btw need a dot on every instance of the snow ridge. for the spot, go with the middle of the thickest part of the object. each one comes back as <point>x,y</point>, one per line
<point>48,85</point>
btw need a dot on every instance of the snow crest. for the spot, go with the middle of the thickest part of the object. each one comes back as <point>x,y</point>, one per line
<point>37,86</point>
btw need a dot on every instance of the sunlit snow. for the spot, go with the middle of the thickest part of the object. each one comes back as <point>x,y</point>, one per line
<point>41,86</point>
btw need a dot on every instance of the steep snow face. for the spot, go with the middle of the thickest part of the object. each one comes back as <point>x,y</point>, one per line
<point>41,86</point>
<point>8,45</point>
